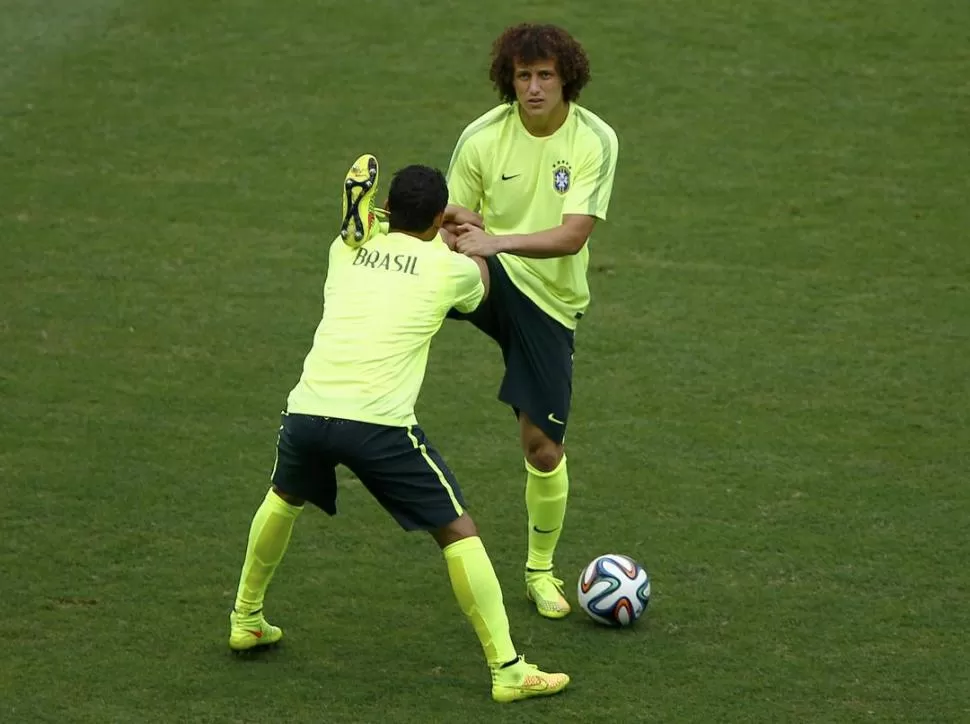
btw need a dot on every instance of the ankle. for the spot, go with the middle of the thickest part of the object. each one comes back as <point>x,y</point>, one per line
<point>497,668</point>
<point>513,662</point>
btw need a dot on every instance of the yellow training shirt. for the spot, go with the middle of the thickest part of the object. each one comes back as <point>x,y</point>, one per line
<point>522,184</point>
<point>383,302</point>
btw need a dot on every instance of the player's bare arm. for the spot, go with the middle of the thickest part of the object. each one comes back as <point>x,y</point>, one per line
<point>564,240</point>
<point>458,215</point>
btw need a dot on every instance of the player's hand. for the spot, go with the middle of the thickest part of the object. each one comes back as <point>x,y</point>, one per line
<point>459,215</point>
<point>473,241</point>
<point>449,234</point>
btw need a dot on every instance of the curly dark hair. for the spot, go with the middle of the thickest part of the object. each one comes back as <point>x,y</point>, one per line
<point>529,43</point>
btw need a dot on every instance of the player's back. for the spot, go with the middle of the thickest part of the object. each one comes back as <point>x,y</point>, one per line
<point>383,302</point>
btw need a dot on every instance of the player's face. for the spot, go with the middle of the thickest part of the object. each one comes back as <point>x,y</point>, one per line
<point>538,87</point>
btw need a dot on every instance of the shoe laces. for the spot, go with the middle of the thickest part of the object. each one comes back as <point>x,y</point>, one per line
<point>539,577</point>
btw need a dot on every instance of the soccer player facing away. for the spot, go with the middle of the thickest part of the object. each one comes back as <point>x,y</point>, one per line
<point>539,168</point>
<point>354,405</point>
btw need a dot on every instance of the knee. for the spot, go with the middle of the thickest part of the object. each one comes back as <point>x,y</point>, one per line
<point>541,451</point>
<point>544,455</point>
<point>287,498</point>
<point>458,529</point>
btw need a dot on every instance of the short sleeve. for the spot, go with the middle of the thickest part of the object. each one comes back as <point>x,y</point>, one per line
<point>468,287</point>
<point>593,179</point>
<point>465,176</point>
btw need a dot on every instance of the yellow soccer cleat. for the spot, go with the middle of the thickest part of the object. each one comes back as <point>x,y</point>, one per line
<point>522,680</point>
<point>249,632</point>
<point>360,218</point>
<point>545,590</point>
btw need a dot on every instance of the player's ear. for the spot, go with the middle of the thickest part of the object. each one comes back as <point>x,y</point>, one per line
<point>439,220</point>
<point>386,202</point>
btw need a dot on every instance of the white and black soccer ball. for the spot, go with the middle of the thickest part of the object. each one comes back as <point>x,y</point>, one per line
<point>614,590</point>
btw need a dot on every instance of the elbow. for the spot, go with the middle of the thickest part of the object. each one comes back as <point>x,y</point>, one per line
<point>575,245</point>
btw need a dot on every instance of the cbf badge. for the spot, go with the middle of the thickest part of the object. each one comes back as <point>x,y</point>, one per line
<point>561,176</point>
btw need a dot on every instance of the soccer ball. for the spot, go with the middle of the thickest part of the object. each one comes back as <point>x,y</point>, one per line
<point>614,590</point>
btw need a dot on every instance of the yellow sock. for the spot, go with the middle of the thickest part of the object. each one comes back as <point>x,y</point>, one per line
<point>545,499</point>
<point>480,597</point>
<point>269,536</point>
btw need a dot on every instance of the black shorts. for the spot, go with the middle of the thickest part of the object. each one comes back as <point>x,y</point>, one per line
<point>538,352</point>
<point>397,465</point>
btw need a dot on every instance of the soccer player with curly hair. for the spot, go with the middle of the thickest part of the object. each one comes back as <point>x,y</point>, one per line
<point>539,169</point>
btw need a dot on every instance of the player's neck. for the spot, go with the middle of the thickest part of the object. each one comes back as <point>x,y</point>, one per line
<point>426,235</point>
<point>547,124</point>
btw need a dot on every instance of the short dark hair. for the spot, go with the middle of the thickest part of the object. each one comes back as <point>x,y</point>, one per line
<point>417,195</point>
<point>528,43</point>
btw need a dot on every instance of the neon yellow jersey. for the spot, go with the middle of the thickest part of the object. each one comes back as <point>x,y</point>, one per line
<point>522,184</point>
<point>383,302</point>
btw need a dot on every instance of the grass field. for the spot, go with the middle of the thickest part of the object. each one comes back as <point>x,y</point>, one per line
<point>772,384</point>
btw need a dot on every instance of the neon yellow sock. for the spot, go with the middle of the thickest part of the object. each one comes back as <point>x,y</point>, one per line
<point>269,536</point>
<point>545,499</point>
<point>480,597</point>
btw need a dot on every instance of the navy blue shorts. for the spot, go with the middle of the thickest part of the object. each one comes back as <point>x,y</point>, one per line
<point>538,352</point>
<point>397,465</point>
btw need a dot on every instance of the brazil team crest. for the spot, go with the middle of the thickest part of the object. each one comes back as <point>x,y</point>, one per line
<point>562,176</point>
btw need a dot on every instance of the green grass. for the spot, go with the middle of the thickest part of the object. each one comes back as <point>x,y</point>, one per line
<point>771,386</point>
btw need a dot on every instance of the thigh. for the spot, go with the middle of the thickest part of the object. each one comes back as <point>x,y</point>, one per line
<point>538,353</point>
<point>406,475</point>
<point>304,466</point>
<point>539,369</point>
